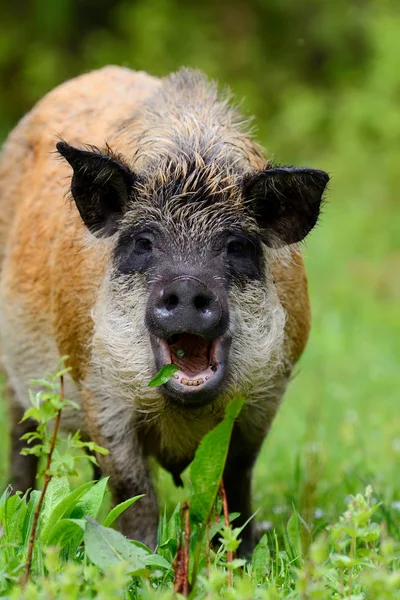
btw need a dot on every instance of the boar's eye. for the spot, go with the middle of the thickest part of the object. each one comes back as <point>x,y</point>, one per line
<point>236,248</point>
<point>240,247</point>
<point>243,257</point>
<point>143,245</point>
<point>134,251</point>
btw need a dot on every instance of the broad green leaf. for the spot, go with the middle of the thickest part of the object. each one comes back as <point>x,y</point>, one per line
<point>208,466</point>
<point>65,531</point>
<point>206,473</point>
<point>63,508</point>
<point>57,490</point>
<point>106,547</point>
<point>91,501</point>
<point>119,509</point>
<point>14,516</point>
<point>163,375</point>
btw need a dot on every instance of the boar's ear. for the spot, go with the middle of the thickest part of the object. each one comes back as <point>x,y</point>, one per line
<point>286,202</point>
<point>100,186</point>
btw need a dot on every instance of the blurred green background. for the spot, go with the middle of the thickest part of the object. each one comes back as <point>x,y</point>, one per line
<point>323,82</point>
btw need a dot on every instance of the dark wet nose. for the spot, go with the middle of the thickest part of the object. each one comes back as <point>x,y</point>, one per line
<point>188,305</point>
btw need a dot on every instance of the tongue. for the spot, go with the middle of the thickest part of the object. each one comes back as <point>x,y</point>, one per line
<point>190,353</point>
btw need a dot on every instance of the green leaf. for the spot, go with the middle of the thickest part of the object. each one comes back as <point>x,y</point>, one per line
<point>119,509</point>
<point>65,531</point>
<point>260,559</point>
<point>31,413</point>
<point>163,375</point>
<point>106,547</point>
<point>34,497</point>
<point>236,563</point>
<point>206,473</point>
<point>169,533</point>
<point>77,443</point>
<point>30,436</point>
<point>155,561</point>
<point>14,516</point>
<point>208,466</point>
<point>293,537</point>
<point>91,501</point>
<point>63,508</point>
<point>57,490</point>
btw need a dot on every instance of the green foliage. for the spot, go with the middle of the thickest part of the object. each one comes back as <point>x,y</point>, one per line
<point>47,404</point>
<point>207,468</point>
<point>74,556</point>
<point>119,509</point>
<point>67,520</point>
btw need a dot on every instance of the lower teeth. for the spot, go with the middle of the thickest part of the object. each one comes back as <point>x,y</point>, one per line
<point>191,382</point>
<point>194,382</point>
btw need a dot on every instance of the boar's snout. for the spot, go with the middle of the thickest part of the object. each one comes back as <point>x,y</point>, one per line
<point>186,304</point>
<point>188,325</point>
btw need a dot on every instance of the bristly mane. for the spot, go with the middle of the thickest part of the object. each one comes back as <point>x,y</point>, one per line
<point>187,131</point>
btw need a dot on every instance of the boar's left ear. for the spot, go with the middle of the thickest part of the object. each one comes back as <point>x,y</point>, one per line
<point>286,202</point>
<point>100,186</point>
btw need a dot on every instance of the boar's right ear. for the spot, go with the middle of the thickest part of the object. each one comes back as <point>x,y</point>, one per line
<point>100,186</point>
<point>286,202</point>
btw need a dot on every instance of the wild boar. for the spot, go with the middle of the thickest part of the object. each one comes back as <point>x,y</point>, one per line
<point>157,233</point>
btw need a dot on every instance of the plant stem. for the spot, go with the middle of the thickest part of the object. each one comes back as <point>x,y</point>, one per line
<point>208,547</point>
<point>181,563</point>
<point>186,555</point>
<point>229,554</point>
<point>47,478</point>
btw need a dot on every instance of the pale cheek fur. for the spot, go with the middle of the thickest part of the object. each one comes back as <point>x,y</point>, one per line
<point>123,361</point>
<point>257,346</point>
<point>122,358</point>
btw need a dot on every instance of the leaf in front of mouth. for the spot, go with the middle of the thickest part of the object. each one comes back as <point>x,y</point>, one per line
<point>163,375</point>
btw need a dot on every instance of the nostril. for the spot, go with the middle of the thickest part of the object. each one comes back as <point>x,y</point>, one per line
<point>201,302</point>
<point>171,301</point>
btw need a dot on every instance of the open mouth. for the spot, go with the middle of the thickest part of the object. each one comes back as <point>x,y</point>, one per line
<point>201,363</point>
<point>195,357</point>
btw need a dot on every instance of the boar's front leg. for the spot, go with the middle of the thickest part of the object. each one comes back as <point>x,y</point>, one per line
<point>242,455</point>
<point>110,425</point>
<point>237,482</point>
<point>248,435</point>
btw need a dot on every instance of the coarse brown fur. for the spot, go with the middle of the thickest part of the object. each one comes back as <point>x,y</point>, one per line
<point>55,278</point>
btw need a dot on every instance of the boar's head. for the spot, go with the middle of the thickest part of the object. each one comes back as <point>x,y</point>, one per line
<point>194,221</point>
